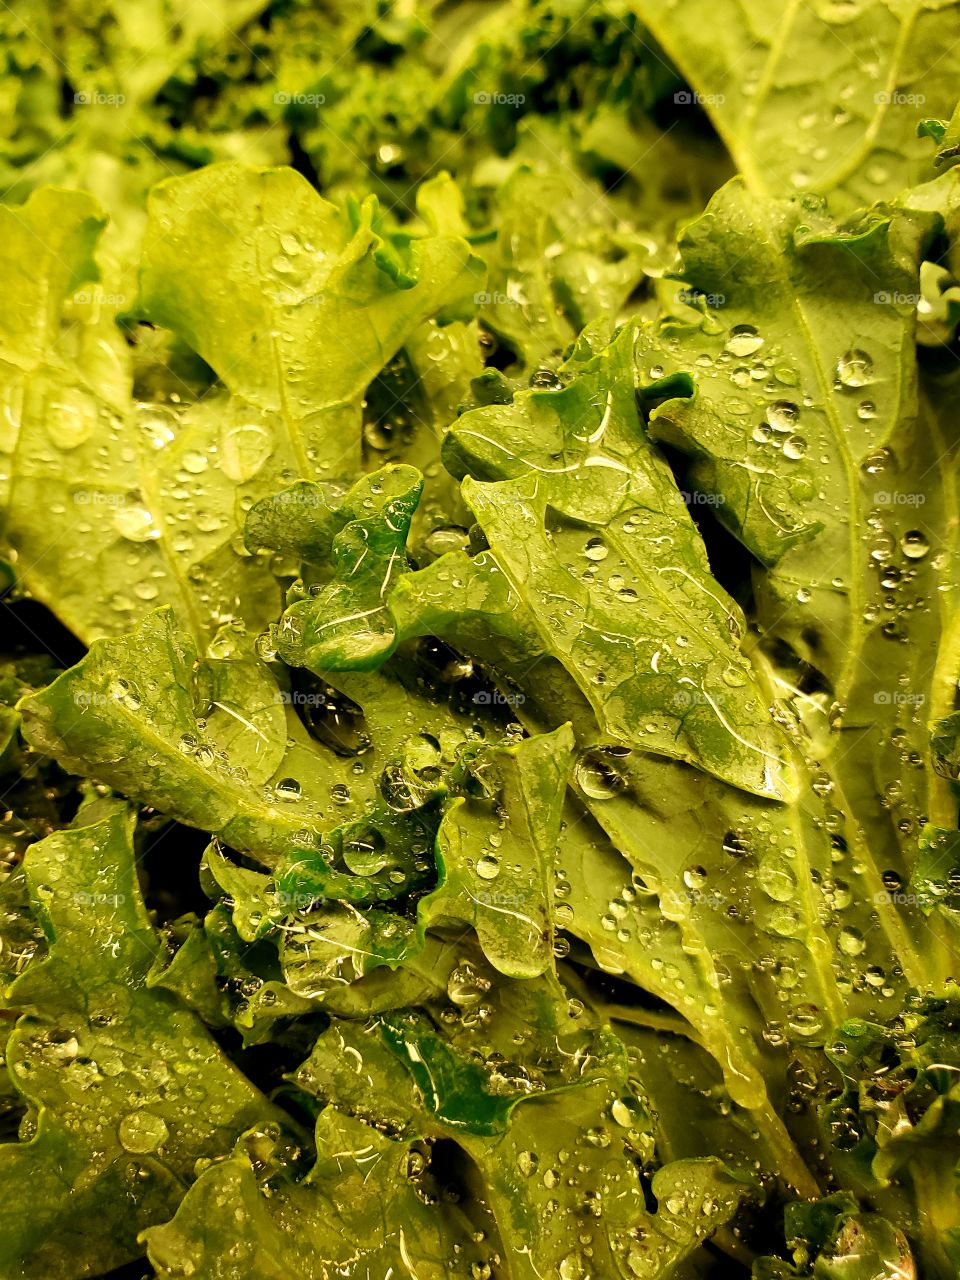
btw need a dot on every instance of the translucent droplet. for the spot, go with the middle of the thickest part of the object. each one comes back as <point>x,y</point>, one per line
<point>466,986</point>
<point>782,415</point>
<point>794,447</point>
<point>447,538</point>
<point>195,462</point>
<point>142,1131</point>
<point>71,418</point>
<point>882,547</point>
<point>597,777</point>
<point>364,854</point>
<point>488,867</point>
<point>851,942</point>
<point>135,523</point>
<point>744,340</point>
<point>244,450</point>
<point>123,692</point>
<point>854,369</point>
<point>805,1020</point>
<point>914,545</point>
<point>572,1267</point>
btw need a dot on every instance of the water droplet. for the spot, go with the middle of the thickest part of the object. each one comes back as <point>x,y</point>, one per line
<point>157,424</point>
<point>744,340</point>
<point>135,523</point>
<point>914,545</point>
<point>794,447</point>
<point>882,547</point>
<point>123,692</point>
<point>466,986</point>
<point>851,942</point>
<point>195,462</point>
<point>142,1131</point>
<point>287,789</point>
<point>244,450</point>
<point>597,777</point>
<point>805,1020</point>
<point>364,854</point>
<point>447,538</point>
<point>71,418</point>
<point>402,790</point>
<point>782,415</point>
<point>854,368</point>
<point>488,867</point>
<point>572,1267</point>
<point>776,879</point>
<point>695,877</point>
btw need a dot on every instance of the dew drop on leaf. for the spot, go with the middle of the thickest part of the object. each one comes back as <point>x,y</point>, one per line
<point>794,447</point>
<point>782,415</point>
<point>135,523</point>
<point>851,942</point>
<point>914,545</point>
<point>854,368</point>
<point>287,789</point>
<point>142,1131</point>
<point>488,867</point>
<point>744,340</point>
<point>597,778</point>
<point>244,450</point>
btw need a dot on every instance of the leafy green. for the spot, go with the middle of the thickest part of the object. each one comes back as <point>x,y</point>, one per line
<point>126,1088</point>
<point>479,694</point>
<point>820,97</point>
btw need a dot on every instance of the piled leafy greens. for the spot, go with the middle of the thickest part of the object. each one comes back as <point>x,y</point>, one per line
<point>478,701</point>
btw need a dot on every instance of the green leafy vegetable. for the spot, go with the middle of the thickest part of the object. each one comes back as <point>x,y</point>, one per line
<point>480,689</point>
